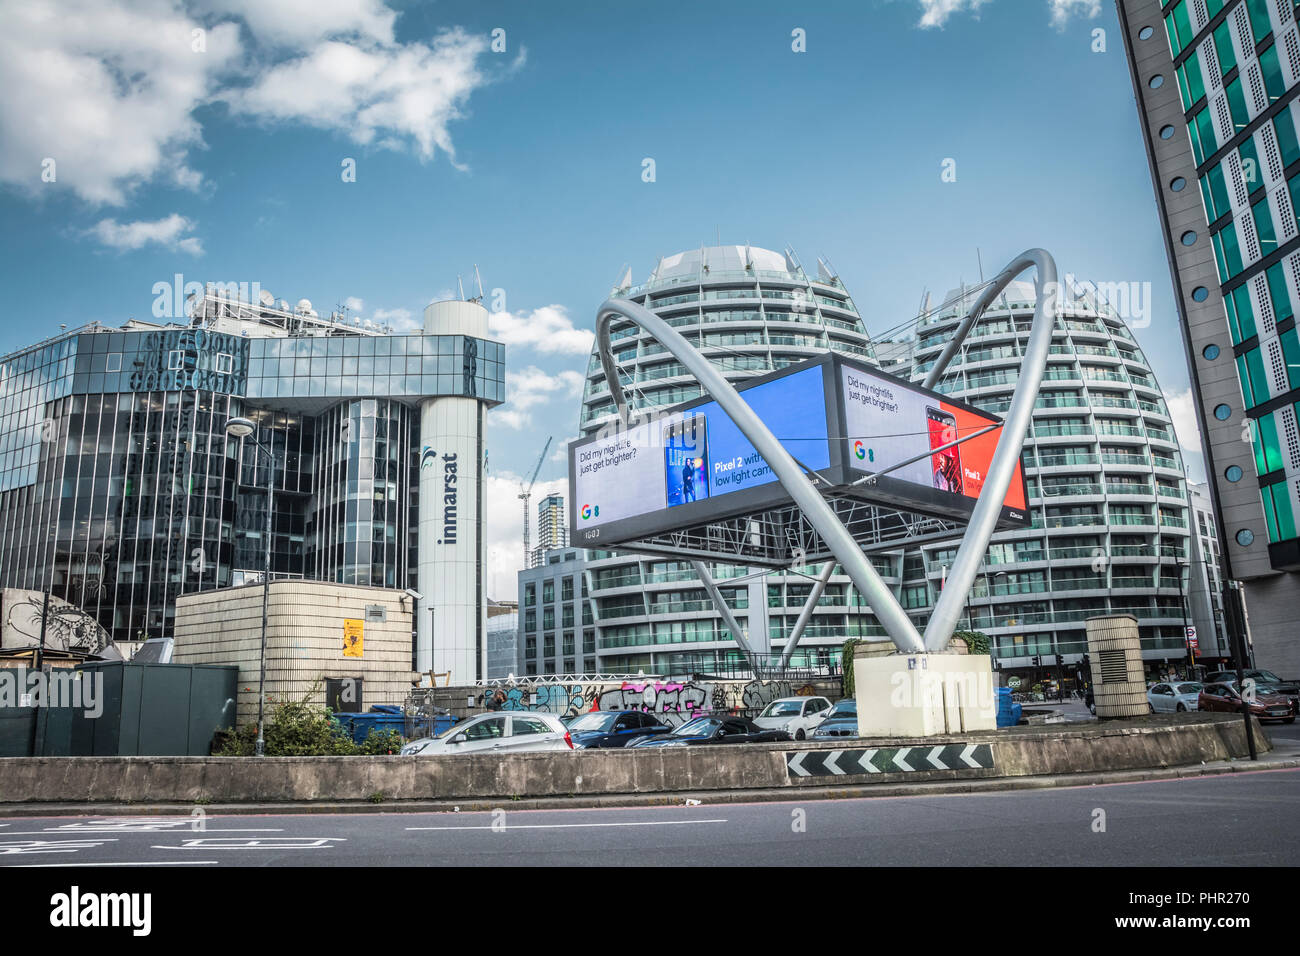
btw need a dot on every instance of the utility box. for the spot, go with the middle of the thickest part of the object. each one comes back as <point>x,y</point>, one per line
<point>923,695</point>
<point>1119,687</point>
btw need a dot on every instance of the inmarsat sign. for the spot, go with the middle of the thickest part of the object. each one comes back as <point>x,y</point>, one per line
<point>690,463</point>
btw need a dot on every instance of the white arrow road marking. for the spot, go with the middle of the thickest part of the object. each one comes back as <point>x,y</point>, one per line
<point>17,847</point>
<point>796,764</point>
<point>966,756</point>
<point>934,759</point>
<point>899,761</point>
<point>865,760</point>
<point>833,756</point>
<point>262,843</point>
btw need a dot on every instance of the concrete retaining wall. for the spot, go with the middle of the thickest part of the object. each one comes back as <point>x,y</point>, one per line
<point>1149,742</point>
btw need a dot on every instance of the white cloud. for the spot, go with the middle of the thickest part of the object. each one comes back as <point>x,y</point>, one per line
<point>935,13</point>
<point>301,22</point>
<point>530,388</point>
<point>504,534</point>
<point>548,330</point>
<point>1182,409</point>
<point>106,91</point>
<point>1062,10</point>
<point>374,92</point>
<point>353,304</point>
<point>401,320</point>
<point>168,233</point>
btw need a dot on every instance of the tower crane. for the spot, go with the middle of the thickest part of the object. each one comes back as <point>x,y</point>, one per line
<point>526,495</point>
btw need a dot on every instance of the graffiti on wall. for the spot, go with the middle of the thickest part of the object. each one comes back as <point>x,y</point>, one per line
<point>68,628</point>
<point>672,701</point>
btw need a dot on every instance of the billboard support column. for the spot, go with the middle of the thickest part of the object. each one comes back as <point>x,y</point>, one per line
<point>805,615</point>
<point>947,610</point>
<point>727,617</point>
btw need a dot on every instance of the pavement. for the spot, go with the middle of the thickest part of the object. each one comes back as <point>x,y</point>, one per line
<point>1118,824</point>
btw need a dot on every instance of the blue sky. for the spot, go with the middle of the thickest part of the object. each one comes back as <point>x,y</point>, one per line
<point>225,164</point>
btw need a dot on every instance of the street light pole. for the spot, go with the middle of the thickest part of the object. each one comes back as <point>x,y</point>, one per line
<point>244,428</point>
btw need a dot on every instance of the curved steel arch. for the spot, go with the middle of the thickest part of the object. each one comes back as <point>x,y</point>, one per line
<point>983,520</point>
<point>880,599</point>
<point>892,617</point>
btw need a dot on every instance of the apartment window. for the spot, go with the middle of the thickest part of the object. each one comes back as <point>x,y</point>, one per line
<point>113,362</point>
<point>225,363</point>
<point>175,358</point>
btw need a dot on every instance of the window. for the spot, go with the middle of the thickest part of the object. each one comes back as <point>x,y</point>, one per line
<point>113,363</point>
<point>225,363</point>
<point>522,726</point>
<point>489,729</point>
<point>174,359</point>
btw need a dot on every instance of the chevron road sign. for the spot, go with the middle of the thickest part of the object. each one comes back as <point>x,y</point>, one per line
<point>827,763</point>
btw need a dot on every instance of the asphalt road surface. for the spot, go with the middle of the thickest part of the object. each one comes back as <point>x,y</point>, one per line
<point>1141,824</point>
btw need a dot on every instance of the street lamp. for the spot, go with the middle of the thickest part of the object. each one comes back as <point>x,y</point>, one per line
<point>243,428</point>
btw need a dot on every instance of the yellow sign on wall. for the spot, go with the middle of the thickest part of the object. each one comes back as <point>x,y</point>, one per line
<point>354,637</point>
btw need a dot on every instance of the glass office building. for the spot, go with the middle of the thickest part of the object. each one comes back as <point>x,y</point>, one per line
<point>1217,85</point>
<point>120,489</point>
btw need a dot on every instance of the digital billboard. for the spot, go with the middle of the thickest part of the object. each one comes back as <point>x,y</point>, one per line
<point>888,422</point>
<point>690,464</point>
<point>693,463</point>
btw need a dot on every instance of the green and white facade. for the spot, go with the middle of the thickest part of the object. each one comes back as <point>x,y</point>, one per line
<point>1217,85</point>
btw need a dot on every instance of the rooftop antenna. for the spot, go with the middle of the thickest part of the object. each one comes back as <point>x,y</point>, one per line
<point>478,281</point>
<point>460,288</point>
<point>981,264</point>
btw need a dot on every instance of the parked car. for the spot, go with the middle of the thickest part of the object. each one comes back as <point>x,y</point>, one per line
<point>513,732</point>
<point>797,716</point>
<point>713,730</point>
<point>840,721</point>
<point>1174,697</point>
<point>613,728</point>
<point>1224,697</point>
<point>1266,682</point>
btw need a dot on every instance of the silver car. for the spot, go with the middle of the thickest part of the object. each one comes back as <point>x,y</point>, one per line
<point>513,732</point>
<point>1175,696</point>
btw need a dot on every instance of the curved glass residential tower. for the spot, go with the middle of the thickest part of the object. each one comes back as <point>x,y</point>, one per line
<point>1106,490</point>
<point>749,311</point>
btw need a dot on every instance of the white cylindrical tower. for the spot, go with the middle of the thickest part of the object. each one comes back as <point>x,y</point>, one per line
<point>452,624</point>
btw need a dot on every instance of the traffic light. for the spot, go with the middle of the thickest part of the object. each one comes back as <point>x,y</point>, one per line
<point>1060,659</point>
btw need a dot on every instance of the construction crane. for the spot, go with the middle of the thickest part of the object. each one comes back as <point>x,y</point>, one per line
<point>526,495</point>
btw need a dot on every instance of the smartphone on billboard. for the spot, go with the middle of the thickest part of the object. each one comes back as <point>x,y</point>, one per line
<point>686,452</point>
<point>946,464</point>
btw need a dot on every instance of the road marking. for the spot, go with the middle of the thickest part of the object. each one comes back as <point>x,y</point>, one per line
<point>19,847</point>
<point>36,866</point>
<point>275,843</point>
<point>576,826</point>
<point>189,826</point>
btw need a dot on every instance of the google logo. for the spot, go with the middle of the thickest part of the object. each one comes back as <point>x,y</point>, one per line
<point>590,511</point>
<point>859,450</point>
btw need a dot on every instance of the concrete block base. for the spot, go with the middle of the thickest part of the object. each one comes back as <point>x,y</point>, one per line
<point>922,695</point>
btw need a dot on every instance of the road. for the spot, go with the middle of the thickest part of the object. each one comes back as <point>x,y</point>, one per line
<point>1141,824</point>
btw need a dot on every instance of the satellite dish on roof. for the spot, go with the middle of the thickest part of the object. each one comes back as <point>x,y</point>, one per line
<point>304,305</point>
<point>266,298</point>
